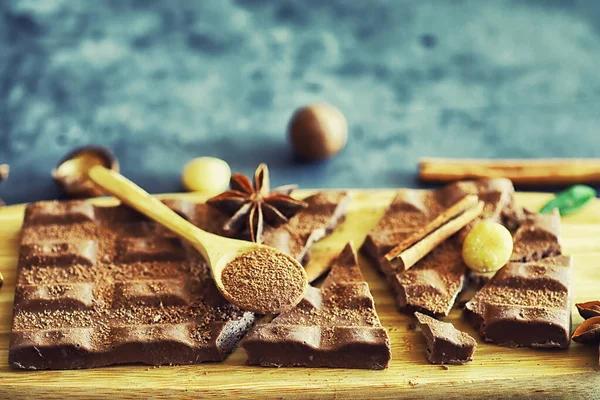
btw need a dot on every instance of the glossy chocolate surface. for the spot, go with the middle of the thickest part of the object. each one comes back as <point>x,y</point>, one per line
<point>445,343</point>
<point>526,304</point>
<point>104,285</point>
<point>432,285</point>
<point>334,326</point>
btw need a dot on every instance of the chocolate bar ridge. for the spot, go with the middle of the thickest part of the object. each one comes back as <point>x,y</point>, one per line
<point>525,304</point>
<point>335,326</point>
<point>537,237</point>
<point>99,286</point>
<point>433,284</point>
<point>445,343</point>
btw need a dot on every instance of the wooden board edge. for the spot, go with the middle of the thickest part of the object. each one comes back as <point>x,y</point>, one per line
<point>572,386</point>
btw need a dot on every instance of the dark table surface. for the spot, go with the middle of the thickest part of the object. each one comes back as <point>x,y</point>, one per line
<point>161,82</point>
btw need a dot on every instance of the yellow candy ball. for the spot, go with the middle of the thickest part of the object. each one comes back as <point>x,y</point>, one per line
<point>487,247</point>
<point>208,175</point>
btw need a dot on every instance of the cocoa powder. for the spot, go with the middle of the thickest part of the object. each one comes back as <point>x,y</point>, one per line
<point>264,280</point>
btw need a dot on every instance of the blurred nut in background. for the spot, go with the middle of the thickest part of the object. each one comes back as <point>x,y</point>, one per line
<point>317,132</point>
<point>71,173</point>
<point>208,175</point>
<point>4,170</point>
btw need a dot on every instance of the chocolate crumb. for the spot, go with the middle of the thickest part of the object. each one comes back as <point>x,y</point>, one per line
<point>264,281</point>
<point>445,367</point>
<point>412,326</point>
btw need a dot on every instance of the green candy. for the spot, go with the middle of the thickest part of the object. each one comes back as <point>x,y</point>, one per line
<point>571,200</point>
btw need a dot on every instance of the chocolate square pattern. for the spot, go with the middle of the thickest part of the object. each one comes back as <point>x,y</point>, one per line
<point>525,304</point>
<point>432,285</point>
<point>335,326</point>
<point>103,285</point>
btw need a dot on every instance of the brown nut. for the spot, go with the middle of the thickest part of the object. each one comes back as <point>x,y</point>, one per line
<point>317,132</point>
<point>589,309</point>
<point>71,172</point>
<point>4,170</point>
<point>588,331</point>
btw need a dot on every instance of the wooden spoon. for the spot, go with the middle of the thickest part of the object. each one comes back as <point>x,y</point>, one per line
<point>257,278</point>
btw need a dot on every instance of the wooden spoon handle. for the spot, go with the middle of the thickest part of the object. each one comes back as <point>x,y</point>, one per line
<point>136,197</point>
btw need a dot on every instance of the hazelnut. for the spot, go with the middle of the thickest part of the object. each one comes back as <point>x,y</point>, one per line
<point>208,175</point>
<point>487,247</point>
<point>71,172</point>
<point>317,132</point>
<point>4,170</point>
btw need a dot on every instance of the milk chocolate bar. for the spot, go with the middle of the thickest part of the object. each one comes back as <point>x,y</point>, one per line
<point>104,285</point>
<point>432,285</point>
<point>335,326</point>
<point>445,343</point>
<point>525,304</point>
<point>537,236</point>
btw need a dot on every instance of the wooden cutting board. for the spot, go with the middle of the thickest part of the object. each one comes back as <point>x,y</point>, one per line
<point>495,372</point>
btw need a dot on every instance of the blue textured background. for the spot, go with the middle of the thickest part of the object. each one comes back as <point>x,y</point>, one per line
<point>161,82</point>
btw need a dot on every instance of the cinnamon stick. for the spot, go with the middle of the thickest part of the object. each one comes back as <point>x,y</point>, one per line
<point>401,259</point>
<point>543,172</point>
<point>456,209</point>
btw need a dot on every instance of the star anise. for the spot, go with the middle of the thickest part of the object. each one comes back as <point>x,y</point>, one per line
<point>251,206</point>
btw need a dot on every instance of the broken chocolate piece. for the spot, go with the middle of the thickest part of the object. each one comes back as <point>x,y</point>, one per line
<point>99,286</point>
<point>335,326</point>
<point>324,212</point>
<point>403,257</point>
<point>432,285</point>
<point>411,209</point>
<point>538,236</point>
<point>525,304</point>
<point>445,343</point>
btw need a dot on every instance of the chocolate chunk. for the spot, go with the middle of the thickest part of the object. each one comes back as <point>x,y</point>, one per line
<point>99,286</point>
<point>538,236</point>
<point>497,194</point>
<point>525,304</point>
<point>445,343</point>
<point>325,211</point>
<point>335,326</point>
<point>432,285</point>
